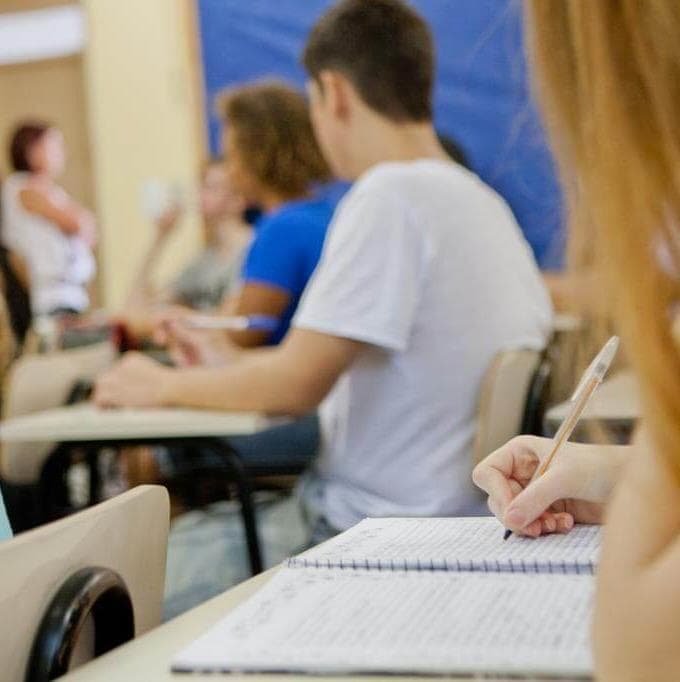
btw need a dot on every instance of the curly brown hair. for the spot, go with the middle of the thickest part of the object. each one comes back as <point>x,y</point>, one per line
<point>271,127</point>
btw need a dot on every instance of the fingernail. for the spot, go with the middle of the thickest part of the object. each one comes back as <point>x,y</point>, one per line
<point>514,517</point>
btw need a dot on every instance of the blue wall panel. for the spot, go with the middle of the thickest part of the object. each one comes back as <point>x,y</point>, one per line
<point>481,97</point>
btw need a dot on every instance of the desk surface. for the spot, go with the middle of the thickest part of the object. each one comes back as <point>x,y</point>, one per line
<point>87,423</point>
<point>617,400</point>
<point>149,656</point>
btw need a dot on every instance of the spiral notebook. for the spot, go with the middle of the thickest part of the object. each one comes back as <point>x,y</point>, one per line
<point>472,544</point>
<point>416,596</point>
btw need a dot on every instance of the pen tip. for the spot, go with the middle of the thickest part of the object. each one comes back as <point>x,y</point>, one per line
<point>507,534</point>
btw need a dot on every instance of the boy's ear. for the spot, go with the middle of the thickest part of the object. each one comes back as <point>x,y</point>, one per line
<point>336,93</point>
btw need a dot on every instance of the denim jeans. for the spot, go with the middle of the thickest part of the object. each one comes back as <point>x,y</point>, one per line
<point>292,443</point>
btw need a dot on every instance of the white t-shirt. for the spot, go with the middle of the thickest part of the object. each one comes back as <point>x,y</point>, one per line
<point>60,266</point>
<point>425,263</point>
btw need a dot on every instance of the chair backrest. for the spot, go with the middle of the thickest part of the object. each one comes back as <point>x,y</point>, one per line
<point>127,534</point>
<point>502,399</point>
<point>40,382</point>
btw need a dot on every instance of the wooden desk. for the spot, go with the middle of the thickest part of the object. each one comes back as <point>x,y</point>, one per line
<point>87,427</point>
<point>616,403</point>
<point>149,657</point>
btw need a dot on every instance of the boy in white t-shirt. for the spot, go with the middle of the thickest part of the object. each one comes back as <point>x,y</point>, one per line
<point>424,277</point>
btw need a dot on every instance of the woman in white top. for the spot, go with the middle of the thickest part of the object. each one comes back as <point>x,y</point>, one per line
<point>43,224</point>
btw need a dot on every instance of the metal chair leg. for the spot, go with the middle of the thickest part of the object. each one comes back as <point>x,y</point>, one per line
<point>92,456</point>
<point>246,501</point>
<point>53,497</point>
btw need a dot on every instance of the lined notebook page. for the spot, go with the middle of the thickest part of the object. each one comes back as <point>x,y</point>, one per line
<point>454,544</point>
<point>369,621</point>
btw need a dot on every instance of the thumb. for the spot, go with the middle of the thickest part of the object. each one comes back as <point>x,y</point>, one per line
<point>536,498</point>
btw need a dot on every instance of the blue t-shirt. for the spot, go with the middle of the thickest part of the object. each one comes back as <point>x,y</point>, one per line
<point>286,249</point>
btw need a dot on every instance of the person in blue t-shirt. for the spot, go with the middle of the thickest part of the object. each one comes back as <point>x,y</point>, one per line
<point>274,162</point>
<point>284,253</point>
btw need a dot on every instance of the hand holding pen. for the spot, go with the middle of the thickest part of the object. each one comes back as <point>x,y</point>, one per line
<point>573,489</point>
<point>200,340</point>
<point>590,382</point>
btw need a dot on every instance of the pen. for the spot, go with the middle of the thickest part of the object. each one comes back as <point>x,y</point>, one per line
<point>591,379</point>
<point>265,323</point>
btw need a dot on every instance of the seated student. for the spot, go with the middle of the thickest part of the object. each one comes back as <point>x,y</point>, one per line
<point>212,277</point>
<point>214,273</point>
<point>425,276</point>
<point>44,225</point>
<point>274,162</point>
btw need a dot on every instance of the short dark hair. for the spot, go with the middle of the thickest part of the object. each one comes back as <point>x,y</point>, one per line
<point>385,48</point>
<point>273,132</point>
<point>24,137</point>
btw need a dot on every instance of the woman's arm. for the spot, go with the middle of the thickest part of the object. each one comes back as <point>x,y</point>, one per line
<point>142,292</point>
<point>292,378</point>
<point>71,218</point>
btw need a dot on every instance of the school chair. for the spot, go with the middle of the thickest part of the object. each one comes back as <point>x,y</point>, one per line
<point>539,394</point>
<point>502,410</point>
<point>39,382</point>
<point>82,585</point>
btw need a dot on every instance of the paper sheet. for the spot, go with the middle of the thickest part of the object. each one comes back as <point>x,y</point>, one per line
<point>455,544</point>
<point>367,621</point>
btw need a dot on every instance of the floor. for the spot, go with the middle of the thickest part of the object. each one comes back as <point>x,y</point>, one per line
<point>207,552</point>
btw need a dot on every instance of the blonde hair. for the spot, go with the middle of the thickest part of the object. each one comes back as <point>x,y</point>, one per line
<point>608,75</point>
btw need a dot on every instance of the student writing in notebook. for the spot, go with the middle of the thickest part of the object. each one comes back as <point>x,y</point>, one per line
<point>608,73</point>
<point>424,277</point>
<point>213,273</point>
